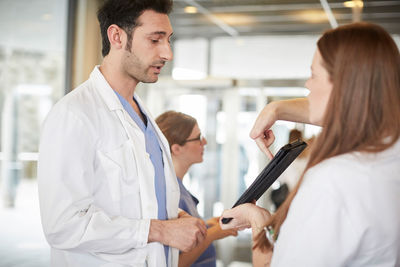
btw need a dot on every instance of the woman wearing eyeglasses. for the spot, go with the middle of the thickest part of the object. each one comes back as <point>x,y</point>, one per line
<point>187,147</point>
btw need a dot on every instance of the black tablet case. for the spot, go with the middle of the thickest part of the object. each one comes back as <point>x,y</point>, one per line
<point>285,156</point>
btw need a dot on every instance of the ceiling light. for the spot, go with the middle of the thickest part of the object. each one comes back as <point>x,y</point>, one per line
<point>47,16</point>
<point>354,3</point>
<point>312,16</point>
<point>190,9</point>
<point>235,19</point>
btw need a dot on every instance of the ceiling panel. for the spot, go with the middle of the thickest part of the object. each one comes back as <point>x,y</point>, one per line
<point>275,17</point>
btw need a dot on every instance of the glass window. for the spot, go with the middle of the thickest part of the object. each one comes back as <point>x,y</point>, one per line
<point>32,78</point>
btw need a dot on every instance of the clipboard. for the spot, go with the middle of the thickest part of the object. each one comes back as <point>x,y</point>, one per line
<point>285,156</point>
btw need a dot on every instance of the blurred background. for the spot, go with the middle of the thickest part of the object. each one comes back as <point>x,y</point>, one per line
<point>231,58</point>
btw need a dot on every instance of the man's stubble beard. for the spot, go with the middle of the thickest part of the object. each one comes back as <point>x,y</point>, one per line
<point>135,69</point>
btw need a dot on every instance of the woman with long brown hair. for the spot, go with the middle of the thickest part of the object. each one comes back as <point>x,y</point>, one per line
<point>345,208</point>
<point>187,147</point>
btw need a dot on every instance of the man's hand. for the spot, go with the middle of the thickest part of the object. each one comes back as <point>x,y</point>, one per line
<point>183,233</point>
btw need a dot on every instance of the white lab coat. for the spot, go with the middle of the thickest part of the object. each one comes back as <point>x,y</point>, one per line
<point>96,182</point>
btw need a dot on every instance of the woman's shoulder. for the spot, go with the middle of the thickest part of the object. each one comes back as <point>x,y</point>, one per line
<point>359,164</point>
<point>356,176</point>
<point>365,188</point>
<point>332,170</point>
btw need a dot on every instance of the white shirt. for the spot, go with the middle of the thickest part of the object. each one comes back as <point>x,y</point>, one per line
<point>346,213</point>
<point>96,182</point>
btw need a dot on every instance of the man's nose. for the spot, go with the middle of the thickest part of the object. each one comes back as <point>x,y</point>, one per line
<point>166,52</point>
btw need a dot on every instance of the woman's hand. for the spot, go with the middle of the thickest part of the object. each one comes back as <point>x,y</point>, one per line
<point>217,233</point>
<point>250,215</point>
<point>212,221</point>
<point>261,132</point>
<point>245,216</point>
<point>296,110</point>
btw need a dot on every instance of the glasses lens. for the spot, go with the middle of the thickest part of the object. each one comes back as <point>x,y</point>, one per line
<point>199,138</point>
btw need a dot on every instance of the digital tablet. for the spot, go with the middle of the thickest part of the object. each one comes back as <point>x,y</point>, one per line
<point>285,156</point>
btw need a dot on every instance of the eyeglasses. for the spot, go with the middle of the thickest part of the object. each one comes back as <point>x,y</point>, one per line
<point>199,138</point>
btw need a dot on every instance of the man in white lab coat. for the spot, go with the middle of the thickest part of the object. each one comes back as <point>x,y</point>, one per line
<point>107,188</point>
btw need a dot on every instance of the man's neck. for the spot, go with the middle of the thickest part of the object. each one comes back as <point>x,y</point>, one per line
<point>119,81</point>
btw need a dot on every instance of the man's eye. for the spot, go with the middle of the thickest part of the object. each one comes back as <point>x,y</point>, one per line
<point>154,41</point>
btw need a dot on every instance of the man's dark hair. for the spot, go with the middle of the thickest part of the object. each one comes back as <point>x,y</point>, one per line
<point>125,13</point>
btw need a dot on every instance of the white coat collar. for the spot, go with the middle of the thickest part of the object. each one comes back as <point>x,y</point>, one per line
<point>113,103</point>
<point>105,90</point>
<point>110,98</point>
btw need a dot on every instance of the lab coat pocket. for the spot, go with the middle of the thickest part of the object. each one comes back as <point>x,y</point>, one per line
<point>120,170</point>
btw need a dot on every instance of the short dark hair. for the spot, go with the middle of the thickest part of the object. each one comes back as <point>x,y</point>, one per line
<point>125,13</point>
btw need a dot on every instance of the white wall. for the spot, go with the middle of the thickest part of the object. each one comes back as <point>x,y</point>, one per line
<point>273,57</point>
<point>190,59</point>
<point>260,57</point>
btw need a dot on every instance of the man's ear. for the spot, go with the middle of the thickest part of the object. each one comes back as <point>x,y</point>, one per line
<point>175,149</point>
<point>116,36</point>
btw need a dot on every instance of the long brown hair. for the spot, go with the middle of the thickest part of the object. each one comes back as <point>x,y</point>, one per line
<point>176,126</point>
<point>363,111</point>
